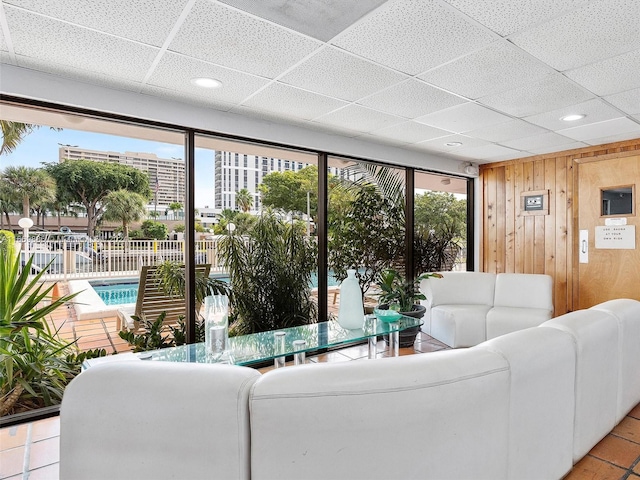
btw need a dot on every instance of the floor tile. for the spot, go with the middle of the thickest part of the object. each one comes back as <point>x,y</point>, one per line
<point>637,468</point>
<point>47,428</point>
<point>11,462</point>
<point>12,437</point>
<point>592,468</point>
<point>50,472</point>
<point>628,428</point>
<point>44,452</point>
<point>330,357</point>
<point>635,412</point>
<point>617,450</point>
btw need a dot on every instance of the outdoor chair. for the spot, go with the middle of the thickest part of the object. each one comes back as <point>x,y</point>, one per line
<point>152,300</point>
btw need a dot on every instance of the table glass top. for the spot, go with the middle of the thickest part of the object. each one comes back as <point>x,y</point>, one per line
<point>261,347</point>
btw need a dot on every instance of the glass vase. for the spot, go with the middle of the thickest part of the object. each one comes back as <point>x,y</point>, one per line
<point>216,327</point>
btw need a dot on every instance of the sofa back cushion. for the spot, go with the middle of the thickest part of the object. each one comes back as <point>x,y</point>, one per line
<point>524,290</point>
<point>148,419</point>
<point>627,312</point>
<point>595,336</point>
<point>439,415</point>
<point>542,366</point>
<point>460,288</point>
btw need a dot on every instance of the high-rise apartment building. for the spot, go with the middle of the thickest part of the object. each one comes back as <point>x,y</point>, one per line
<point>166,175</point>
<point>235,171</point>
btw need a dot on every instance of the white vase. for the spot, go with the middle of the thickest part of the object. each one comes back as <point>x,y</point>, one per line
<point>351,310</point>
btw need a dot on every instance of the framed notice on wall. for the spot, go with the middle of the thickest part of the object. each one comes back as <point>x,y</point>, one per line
<point>619,237</point>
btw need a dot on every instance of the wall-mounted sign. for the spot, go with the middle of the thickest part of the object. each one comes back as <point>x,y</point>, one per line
<point>615,221</point>
<point>616,237</point>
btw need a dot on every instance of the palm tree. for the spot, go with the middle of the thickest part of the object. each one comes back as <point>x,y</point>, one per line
<point>14,132</point>
<point>7,203</point>
<point>175,207</point>
<point>244,200</point>
<point>124,206</point>
<point>28,185</point>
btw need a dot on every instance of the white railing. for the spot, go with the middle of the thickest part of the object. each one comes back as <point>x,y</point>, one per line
<point>70,259</point>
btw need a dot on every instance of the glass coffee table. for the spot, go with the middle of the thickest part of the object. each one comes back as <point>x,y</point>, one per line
<point>275,345</point>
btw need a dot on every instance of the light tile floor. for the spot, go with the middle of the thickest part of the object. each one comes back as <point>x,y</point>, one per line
<point>31,451</point>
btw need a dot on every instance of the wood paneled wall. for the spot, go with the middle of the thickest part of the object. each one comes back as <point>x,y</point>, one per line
<point>515,243</point>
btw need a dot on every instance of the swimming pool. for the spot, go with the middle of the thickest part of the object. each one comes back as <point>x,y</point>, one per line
<point>125,290</point>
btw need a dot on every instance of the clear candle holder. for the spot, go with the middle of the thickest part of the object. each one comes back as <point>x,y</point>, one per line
<point>216,327</point>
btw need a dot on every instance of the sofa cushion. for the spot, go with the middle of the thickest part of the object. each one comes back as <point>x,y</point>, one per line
<point>542,367</point>
<point>524,290</point>
<point>627,312</point>
<point>503,320</point>
<point>439,415</point>
<point>460,288</point>
<point>459,325</point>
<point>156,420</point>
<point>595,336</point>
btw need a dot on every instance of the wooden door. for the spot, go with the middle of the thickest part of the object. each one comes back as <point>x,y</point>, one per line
<point>608,271</point>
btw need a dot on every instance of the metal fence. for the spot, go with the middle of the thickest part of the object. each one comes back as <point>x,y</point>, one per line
<point>79,259</point>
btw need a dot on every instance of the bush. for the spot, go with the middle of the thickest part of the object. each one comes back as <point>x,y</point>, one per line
<point>154,230</point>
<point>7,242</point>
<point>270,271</point>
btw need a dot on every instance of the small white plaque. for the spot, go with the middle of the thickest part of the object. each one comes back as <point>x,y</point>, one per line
<point>616,237</point>
<point>610,222</point>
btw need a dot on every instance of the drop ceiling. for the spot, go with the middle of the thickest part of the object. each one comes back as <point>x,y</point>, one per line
<point>475,80</point>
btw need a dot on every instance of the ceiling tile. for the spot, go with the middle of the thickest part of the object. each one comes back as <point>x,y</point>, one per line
<point>322,19</point>
<point>440,144</point>
<point>411,132</point>
<point>628,101</point>
<point>368,137</point>
<point>411,99</point>
<point>548,139</point>
<point>586,133</point>
<point>551,92</point>
<point>595,111</point>
<point>496,68</point>
<point>175,72</point>
<point>609,76</point>
<point>620,137</point>
<point>124,18</point>
<point>506,131</point>
<point>557,148</point>
<point>602,29</point>
<point>413,35</point>
<point>225,36</point>
<point>293,102</point>
<point>268,116</point>
<point>339,74</point>
<point>76,73</point>
<point>192,98</point>
<point>463,118</point>
<point>507,16</point>
<point>488,152</point>
<point>355,117</point>
<point>60,44</point>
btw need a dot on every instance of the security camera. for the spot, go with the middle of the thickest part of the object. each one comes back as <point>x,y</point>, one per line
<point>471,169</point>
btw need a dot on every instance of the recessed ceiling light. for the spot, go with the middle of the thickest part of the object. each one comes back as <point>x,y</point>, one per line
<point>206,82</point>
<point>572,117</point>
<point>445,181</point>
<point>453,144</point>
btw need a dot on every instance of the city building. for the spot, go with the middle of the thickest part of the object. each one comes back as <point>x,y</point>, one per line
<point>166,175</point>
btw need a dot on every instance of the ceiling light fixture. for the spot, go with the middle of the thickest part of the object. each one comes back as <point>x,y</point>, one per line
<point>573,117</point>
<point>445,181</point>
<point>206,82</point>
<point>453,144</point>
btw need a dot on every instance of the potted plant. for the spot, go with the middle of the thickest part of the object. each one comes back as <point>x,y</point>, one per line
<point>403,296</point>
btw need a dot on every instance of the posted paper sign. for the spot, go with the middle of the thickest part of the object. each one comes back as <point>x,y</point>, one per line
<point>618,237</point>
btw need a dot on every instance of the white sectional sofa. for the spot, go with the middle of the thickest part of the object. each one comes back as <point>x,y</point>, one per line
<point>467,308</point>
<point>527,404</point>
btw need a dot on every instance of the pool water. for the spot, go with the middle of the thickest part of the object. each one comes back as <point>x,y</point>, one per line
<point>125,290</point>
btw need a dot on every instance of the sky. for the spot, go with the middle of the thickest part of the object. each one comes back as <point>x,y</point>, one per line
<point>42,146</point>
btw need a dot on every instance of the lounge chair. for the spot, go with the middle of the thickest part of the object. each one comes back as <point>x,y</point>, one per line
<point>152,300</point>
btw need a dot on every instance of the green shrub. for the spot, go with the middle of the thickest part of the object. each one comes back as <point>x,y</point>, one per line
<point>270,270</point>
<point>7,242</point>
<point>153,229</point>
